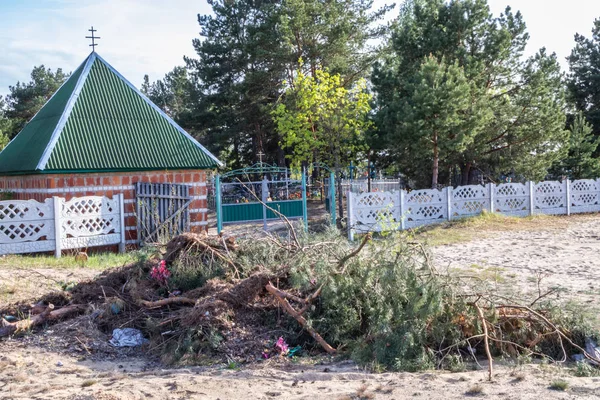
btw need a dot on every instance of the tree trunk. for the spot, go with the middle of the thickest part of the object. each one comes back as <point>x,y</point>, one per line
<point>436,162</point>
<point>465,171</point>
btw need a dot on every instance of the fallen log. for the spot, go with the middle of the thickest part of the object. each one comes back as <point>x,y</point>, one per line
<point>49,314</point>
<point>281,298</point>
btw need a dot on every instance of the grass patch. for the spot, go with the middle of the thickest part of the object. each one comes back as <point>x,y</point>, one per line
<point>466,229</point>
<point>99,261</point>
<point>585,370</point>
<point>88,383</point>
<point>475,390</point>
<point>560,385</point>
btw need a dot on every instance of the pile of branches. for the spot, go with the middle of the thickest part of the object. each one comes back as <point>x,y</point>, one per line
<point>380,302</point>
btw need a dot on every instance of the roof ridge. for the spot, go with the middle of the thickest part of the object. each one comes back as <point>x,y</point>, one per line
<point>161,112</point>
<point>66,112</point>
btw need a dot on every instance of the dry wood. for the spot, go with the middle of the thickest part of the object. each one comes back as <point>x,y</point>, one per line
<point>485,338</point>
<point>47,315</point>
<point>280,296</point>
<point>167,302</point>
<point>348,256</point>
<point>557,330</point>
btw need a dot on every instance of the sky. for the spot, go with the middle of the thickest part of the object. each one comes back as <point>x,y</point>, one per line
<point>151,37</point>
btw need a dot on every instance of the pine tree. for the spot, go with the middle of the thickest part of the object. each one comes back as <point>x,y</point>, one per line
<point>584,77</point>
<point>580,162</point>
<point>26,99</point>
<point>249,48</point>
<point>522,102</point>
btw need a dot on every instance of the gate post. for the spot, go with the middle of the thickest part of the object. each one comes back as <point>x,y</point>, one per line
<point>304,207</point>
<point>567,184</point>
<point>57,227</point>
<point>218,204</point>
<point>265,194</point>
<point>530,185</point>
<point>122,222</point>
<point>332,198</point>
<point>350,220</point>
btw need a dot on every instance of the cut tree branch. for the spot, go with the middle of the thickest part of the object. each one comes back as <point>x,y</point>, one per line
<point>281,298</point>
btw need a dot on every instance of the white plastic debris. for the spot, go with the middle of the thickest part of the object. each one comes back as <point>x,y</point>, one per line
<point>127,337</point>
<point>592,349</point>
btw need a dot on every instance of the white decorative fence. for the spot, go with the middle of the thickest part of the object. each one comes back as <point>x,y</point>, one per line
<point>384,211</point>
<point>28,226</point>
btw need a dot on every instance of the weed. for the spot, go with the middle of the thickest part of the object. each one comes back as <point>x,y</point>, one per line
<point>583,369</point>
<point>88,383</point>
<point>475,390</point>
<point>560,385</point>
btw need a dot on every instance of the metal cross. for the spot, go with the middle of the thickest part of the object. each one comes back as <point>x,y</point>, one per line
<point>260,155</point>
<point>94,44</point>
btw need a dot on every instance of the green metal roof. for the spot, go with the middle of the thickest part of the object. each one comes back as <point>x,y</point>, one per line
<point>98,121</point>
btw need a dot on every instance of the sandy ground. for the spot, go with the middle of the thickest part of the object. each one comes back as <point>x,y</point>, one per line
<point>565,254</point>
<point>32,373</point>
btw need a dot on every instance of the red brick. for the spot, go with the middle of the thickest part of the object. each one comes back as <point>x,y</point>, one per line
<point>126,180</point>
<point>116,181</point>
<point>105,181</point>
<point>129,207</point>
<point>187,178</point>
<point>131,234</point>
<point>128,195</point>
<point>130,221</point>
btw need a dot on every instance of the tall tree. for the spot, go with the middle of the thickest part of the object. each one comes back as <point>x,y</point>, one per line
<point>439,120</point>
<point>174,94</point>
<point>248,48</point>
<point>238,74</point>
<point>521,102</point>
<point>321,120</point>
<point>580,162</point>
<point>5,125</point>
<point>26,99</point>
<point>584,76</point>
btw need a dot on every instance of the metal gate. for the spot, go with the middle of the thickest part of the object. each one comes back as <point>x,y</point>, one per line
<point>163,211</point>
<point>254,192</point>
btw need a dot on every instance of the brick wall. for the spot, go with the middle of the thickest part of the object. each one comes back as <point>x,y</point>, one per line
<point>40,187</point>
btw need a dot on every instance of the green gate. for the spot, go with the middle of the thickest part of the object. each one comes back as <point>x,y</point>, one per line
<point>329,188</point>
<point>252,193</point>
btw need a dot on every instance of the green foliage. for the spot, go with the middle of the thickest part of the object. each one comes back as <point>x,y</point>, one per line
<point>322,120</point>
<point>579,162</point>
<point>585,370</point>
<point>510,118</point>
<point>248,49</point>
<point>583,82</point>
<point>174,94</point>
<point>26,99</point>
<point>388,307</point>
<point>440,118</point>
<point>559,384</point>
<point>189,272</point>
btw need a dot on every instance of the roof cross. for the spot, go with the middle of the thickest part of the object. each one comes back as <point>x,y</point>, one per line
<point>260,155</point>
<point>94,44</point>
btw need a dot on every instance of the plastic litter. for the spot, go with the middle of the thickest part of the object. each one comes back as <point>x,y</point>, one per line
<point>592,349</point>
<point>127,337</point>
